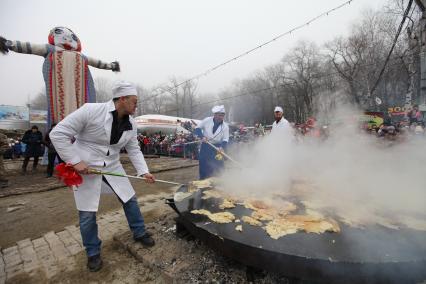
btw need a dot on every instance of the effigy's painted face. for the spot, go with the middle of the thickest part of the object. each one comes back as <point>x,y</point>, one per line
<point>65,38</point>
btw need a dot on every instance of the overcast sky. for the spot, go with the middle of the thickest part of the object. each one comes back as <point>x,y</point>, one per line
<point>154,40</point>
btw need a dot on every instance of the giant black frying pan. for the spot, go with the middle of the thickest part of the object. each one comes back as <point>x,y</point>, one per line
<point>373,254</point>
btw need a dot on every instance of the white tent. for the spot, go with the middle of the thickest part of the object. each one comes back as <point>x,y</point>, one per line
<point>154,123</point>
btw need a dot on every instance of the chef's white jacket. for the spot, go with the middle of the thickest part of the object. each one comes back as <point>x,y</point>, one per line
<point>220,135</point>
<point>91,126</point>
<point>282,125</point>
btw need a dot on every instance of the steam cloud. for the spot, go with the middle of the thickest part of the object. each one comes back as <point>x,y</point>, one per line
<point>352,174</point>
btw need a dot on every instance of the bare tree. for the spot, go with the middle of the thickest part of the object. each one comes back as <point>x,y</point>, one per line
<point>303,70</point>
<point>175,96</point>
<point>205,103</point>
<point>143,96</point>
<point>358,59</point>
<point>39,102</point>
<point>310,81</point>
<point>189,98</point>
<point>157,101</point>
<point>346,57</point>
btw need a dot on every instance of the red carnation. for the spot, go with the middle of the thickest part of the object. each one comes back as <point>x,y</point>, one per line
<point>68,174</point>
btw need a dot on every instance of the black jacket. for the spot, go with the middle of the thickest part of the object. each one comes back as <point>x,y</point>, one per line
<point>33,141</point>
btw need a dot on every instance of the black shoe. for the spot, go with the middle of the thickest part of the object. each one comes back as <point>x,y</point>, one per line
<point>94,263</point>
<point>146,240</point>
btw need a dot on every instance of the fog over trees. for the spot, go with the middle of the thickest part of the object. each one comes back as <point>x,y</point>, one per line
<point>309,79</point>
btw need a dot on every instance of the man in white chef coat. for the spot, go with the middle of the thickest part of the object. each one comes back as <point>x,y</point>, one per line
<point>280,125</point>
<point>100,131</point>
<point>216,131</point>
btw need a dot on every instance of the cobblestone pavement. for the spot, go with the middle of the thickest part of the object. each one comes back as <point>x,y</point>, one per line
<point>56,252</point>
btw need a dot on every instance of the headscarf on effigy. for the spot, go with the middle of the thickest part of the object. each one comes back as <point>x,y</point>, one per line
<point>218,109</point>
<point>124,89</point>
<point>65,38</point>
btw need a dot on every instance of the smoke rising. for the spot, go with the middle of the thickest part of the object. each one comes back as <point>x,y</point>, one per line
<point>353,175</point>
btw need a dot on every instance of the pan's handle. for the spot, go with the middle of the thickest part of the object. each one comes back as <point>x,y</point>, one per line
<point>171,203</point>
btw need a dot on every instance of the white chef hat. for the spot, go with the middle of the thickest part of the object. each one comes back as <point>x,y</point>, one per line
<point>218,109</point>
<point>278,108</point>
<point>123,88</point>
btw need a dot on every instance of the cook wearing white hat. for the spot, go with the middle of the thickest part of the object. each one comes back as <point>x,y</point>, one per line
<point>218,109</point>
<point>216,131</point>
<point>123,89</point>
<point>280,122</point>
<point>100,131</point>
<point>278,109</point>
<point>125,98</point>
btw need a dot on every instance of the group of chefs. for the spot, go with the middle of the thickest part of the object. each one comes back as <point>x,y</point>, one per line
<point>91,138</point>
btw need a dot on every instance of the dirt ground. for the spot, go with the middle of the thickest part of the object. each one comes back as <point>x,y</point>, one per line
<point>171,260</point>
<point>188,260</point>
<point>119,266</point>
<point>32,215</point>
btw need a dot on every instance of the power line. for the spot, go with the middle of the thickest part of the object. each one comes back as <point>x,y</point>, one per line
<point>324,75</point>
<point>407,10</point>
<point>208,71</point>
<point>272,40</point>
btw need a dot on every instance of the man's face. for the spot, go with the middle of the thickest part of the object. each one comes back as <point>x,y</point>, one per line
<point>129,104</point>
<point>34,129</point>
<point>219,116</point>
<point>278,115</point>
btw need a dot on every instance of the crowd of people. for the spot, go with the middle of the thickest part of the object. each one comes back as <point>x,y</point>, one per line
<point>186,145</point>
<point>175,145</point>
<point>391,131</point>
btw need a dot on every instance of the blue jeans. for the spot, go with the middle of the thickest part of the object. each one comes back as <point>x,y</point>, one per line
<point>89,228</point>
